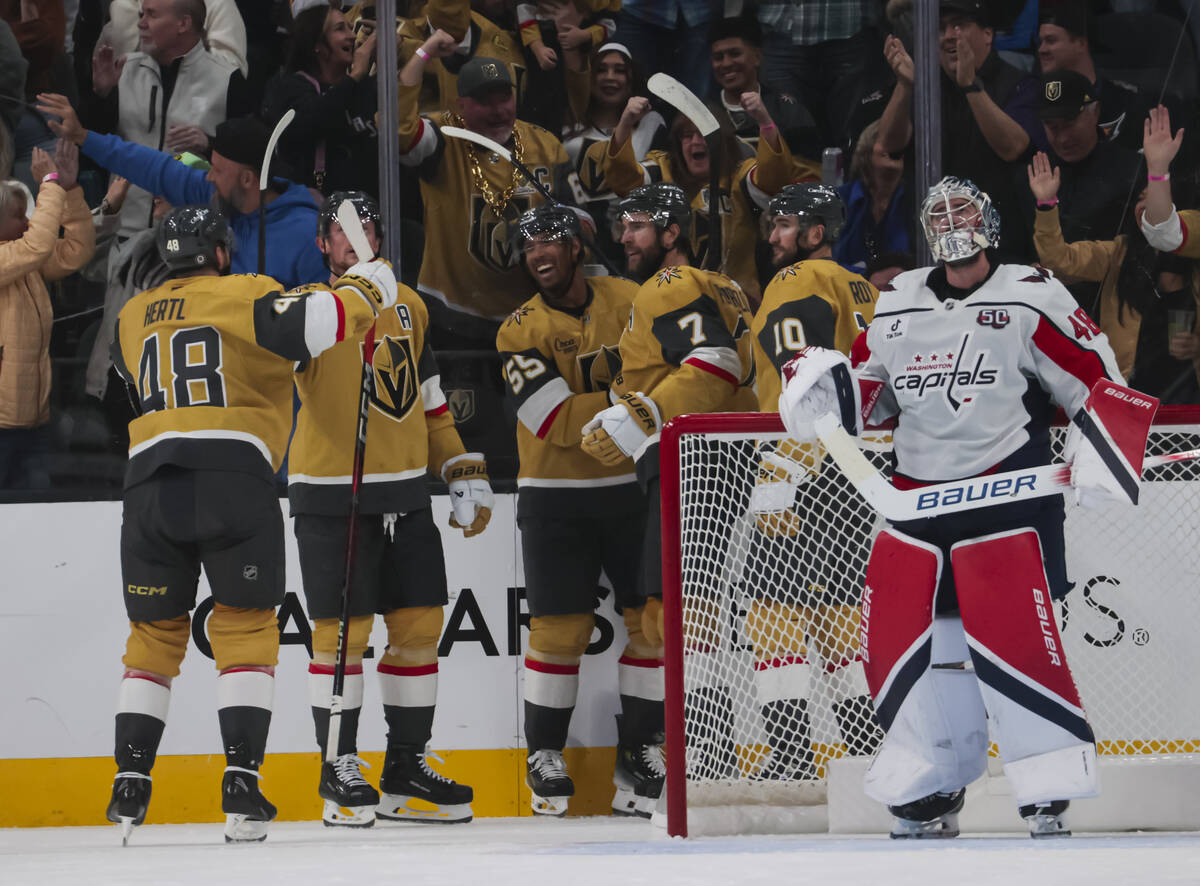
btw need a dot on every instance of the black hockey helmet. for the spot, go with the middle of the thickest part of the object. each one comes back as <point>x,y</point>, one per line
<point>364,204</point>
<point>548,218</point>
<point>812,202</point>
<point>188,237</point>
<point>664,202</point>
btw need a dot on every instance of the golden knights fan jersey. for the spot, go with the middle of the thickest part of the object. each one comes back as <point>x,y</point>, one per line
<point>813,302</point>
<point>687,345</point>
<point>558,365</point>
<point>472,262</point>
<point>409,428</point>
<point>212,357</point>
<point>755,181</point>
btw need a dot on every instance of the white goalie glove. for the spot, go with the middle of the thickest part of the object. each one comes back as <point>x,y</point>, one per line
<point>471,497</point>
<point>618,432</point>
<point>815,382</point>
<point>374,280</point>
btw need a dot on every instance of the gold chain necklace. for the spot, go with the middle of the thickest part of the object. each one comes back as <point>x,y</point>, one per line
<point>497,199</point>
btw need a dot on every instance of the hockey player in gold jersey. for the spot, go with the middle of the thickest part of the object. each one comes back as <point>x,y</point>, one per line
<point>803,626</point>
<point>577,516</point>
<point>399,569</point>
<point>686,349</point>
<point>211,358</point>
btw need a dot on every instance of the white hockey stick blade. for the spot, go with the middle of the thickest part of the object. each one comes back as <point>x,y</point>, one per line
<point>685,101</point>
<point>284,122</point>
<point>352,226</point>
<point>481,140</point>
<point>957,495</point>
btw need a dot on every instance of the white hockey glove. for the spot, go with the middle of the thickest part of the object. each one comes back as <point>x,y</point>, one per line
<point>618,432</point>
<point>1118,420</point>
<point>374,281</point>
<point>471,496</point>
<point>817,381</point>
<point>783,469</point>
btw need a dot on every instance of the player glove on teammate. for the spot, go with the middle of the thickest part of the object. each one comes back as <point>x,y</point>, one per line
<point>780,473</point>
<point>374,281</point>
<point>471,496</point>
<point>617,432</point>
<point>817,381</point>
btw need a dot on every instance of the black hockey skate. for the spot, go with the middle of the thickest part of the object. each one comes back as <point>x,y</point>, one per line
<point>412,791</point>
<point>246,810</point>
<point>638,775</point>
<point>932,817</point>
<point>1046,819</point>
<point>349,800</point>
<point>130,799</point>
<point>547,779</point>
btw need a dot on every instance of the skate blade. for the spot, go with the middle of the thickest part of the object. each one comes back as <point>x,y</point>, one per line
<point>398,807</point>
<point>127,824</point>
<point>939,829</point>
<point>240,829</point>
<point>625,804</point>
<point>551,806</point>
<point>1047,827</point>
<point>336,816</point>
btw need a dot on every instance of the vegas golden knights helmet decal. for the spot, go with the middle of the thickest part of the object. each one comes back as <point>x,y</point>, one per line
<point>397,387</point>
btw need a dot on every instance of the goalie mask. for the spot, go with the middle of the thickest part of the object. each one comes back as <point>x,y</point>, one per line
<point>959,220</point>
<point>665,203</point>
<point>812,204</point>
<point>364,204</point>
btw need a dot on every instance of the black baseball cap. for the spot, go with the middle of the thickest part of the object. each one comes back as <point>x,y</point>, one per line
<point>1064,94</point>
<point>480,72</point>
<point>242,140</point>
<point>975,10</point>
<point>1070,15</point>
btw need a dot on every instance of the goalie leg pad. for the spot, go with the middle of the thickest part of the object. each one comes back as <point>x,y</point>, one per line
<point>1043,733</point>
<point>246,637</point>
<point>157,646</point>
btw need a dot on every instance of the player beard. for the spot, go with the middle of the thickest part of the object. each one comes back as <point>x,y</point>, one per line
<point>644,263</point>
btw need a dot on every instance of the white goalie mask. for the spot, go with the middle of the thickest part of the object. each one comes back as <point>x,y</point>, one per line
<point>959,220</point>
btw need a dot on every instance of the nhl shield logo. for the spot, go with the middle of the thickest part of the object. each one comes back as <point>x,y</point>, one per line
<point>462,404</point>
<point>1053,90</point>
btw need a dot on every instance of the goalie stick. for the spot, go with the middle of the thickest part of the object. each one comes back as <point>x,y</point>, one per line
<point>685,101</point>
<point>352,226</point>
<point>263,180</point>
<point>496,148</point>
<point>956,495</point>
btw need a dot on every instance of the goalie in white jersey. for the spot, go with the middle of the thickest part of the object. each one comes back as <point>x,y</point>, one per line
<point>972,358</point>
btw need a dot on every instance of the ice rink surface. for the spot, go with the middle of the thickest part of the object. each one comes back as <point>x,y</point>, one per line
<point>575,852</point>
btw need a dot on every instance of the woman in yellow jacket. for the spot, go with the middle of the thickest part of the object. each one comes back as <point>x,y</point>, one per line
<point>33,253</point>
<point>747,185</point>
<point>1137,288</point>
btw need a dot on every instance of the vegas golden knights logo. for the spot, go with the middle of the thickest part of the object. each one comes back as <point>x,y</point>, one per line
<point>492,241</point>
<point>461,403</point>
<point>397,387</point>
<point>1053,90</point>
<point>598,368</point>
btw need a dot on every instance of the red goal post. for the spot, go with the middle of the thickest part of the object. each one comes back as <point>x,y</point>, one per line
<point>1128,626</point>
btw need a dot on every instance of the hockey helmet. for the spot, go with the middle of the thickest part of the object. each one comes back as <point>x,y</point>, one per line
<point>959,220</point>
<point>552,219</point>
<point>813,203</point>
<point>664,202</point>
<point>364,204</point>
<point>188,237</point>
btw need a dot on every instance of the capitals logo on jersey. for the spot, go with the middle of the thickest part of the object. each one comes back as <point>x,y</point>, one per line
<point>397,387</point>
<point>953,374</point>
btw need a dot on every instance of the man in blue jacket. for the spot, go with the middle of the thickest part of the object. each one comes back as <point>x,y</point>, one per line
<point>292,256</point>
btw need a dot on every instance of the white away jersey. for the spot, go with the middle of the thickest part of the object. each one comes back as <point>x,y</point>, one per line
<point>973,379</point>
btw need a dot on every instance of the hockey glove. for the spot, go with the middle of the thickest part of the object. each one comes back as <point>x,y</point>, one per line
<point>817,381</point>
<point>471,496</point>
<point>374,281</point>
<point>1106,444</point>
<point>781,472</point>
<point>618,432</point>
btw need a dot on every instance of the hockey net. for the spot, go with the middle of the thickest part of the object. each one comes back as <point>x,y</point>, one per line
<point>764,691</point>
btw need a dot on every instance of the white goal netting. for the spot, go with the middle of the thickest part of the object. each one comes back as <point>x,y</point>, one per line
<point>771,687</point>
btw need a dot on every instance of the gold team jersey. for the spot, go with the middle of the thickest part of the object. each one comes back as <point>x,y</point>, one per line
<point>409,427</point>
<point>813,302</point>
<point>687,345</point>
<point>212,357</point>
<point>559,364</point>
<point>472,262</point>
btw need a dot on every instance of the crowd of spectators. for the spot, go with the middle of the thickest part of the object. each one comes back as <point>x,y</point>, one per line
<point>170,102</point>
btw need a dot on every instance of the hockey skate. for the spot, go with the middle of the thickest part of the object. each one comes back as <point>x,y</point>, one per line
<point>1046,819</point>
<point>130,799</point>
<point>349,800</point>
<point>246,810</point>
<point>412,791</point>
<point>638,776</point>
<point>932,817</point>
<point>547,779</point>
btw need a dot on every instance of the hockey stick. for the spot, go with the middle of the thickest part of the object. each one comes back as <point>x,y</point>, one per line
<point>263,180</point>
<point>352,226</point>
<point>956,495</point>
<point>495,147</point>
<point>685,101</point>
